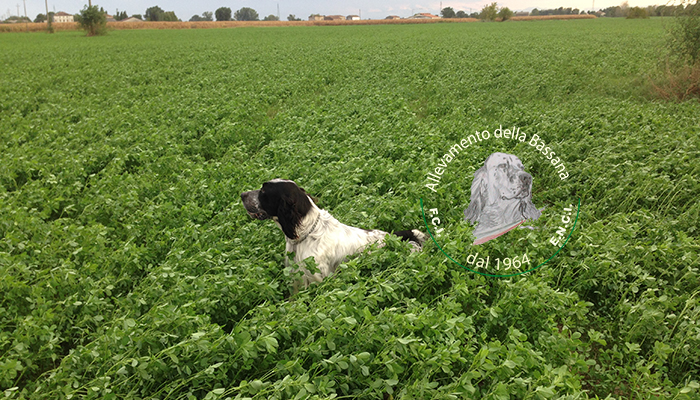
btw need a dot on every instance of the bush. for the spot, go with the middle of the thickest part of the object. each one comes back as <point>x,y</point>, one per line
<point>685,35</point>
<point>93,21</point>
<point>637,12</point>
<point>505,14</point>
<point>680,73</point>
<point>489,13</point>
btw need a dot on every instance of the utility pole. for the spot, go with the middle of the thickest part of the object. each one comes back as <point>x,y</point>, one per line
<point>278,11</point>
<point>25,15</point>
<point>48,17</point>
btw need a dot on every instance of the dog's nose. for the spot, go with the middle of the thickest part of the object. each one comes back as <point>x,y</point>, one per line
<point>525,178</point>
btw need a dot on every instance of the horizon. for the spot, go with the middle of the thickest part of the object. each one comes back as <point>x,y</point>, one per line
<point>302,9</point>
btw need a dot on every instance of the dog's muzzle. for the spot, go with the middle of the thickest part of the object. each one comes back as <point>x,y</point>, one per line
<point>524,183</point>
<point>252,205</point>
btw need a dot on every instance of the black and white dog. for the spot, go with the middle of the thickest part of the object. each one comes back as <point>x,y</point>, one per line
<point>311,231</point>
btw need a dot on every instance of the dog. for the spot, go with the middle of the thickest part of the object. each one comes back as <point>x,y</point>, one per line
<point>311,231</point>
<point>501,197</point>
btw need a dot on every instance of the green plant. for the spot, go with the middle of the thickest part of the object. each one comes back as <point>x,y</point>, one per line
<point>636,13</point>
<point>505,14</point>
<point>93,20</point>
<point>678,75</point>
<point>685,34</point>
<point>489,12</point>
<point>129,269</point>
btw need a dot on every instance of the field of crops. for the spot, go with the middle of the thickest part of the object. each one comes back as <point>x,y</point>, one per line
<point>130,270</point>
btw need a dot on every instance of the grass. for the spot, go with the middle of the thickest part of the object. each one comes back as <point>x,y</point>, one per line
<point>129,269</point>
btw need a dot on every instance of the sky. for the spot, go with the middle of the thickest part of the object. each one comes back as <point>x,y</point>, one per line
<point>367,9</point>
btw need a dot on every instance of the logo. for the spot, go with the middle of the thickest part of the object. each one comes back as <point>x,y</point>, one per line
<point>496,203</point>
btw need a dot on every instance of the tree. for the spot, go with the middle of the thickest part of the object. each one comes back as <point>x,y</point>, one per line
<point>246,14</point>
<point>637,12</point>
<point>271,18</point>
<point>139,16</point>
<point>447,12</point>
<point>624,9</point>
<point>612,11</point>
<point>292,17</point>
<point>40,18</point>
<point>154,13</point>
<point>505,14</point>
<point>195,18</point>
<point>223,14</point>
<point>93,21</point>
<point>489,13</point>
<point>207,16</point>
<point>461,14</point>
<point>170,16</point>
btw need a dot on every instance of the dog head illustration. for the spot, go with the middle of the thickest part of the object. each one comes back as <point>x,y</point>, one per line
<point>501,197</point>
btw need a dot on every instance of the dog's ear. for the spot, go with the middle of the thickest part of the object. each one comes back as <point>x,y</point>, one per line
<point>479,195</point>
<point>293,206</point>
<point>315,200</point>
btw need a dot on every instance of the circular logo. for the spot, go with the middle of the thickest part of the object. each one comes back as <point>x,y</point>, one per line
<point>495,205</point>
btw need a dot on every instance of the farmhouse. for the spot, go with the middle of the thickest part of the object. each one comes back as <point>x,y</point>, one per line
<point>62,17</point>
<point>315,17</point>
<point>353,18</point>
<point>334,18</point>
<point>131,19</point>
<point>393,17</point>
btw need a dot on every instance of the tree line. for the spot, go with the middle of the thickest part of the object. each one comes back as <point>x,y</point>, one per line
<point>243,14</point>
<point>492,11</point>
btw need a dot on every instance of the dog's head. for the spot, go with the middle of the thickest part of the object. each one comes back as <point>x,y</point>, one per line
<point>281,200</point>
<point>501,180</point>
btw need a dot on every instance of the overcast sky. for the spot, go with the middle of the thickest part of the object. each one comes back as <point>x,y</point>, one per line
<point>185,9</point>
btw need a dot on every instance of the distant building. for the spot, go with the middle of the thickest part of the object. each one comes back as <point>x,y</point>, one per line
<point>62,17</point>
<point>393,17</point>
<point>131,19</point>
<point>315,17</point>
<point>522,14</point>
<point>110,18</point>
<point>353,17</point>
<point>423,16</point>
<point>334,18</point>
